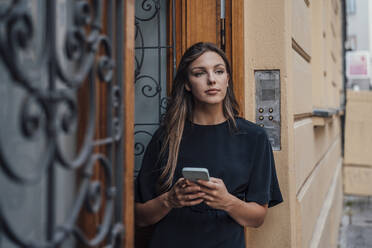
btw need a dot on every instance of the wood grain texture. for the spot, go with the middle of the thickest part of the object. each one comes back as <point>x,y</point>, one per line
<point>201,21</point>
<point>237,51</point>
<point>128,119</point>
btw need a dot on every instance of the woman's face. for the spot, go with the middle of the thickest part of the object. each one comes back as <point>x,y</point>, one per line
<point>208,79</point>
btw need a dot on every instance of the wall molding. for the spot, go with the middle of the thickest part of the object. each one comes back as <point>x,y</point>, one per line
<point>300,51</point>
<point>327,209</point>
<point>301,116</point>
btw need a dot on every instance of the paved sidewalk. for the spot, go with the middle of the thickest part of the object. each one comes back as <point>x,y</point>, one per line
<point>356,223</point>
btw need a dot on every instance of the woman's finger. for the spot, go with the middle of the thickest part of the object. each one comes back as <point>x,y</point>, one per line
<point>209,191</point>
<point>191,189</point>
<point>193,196</point>
<point>181,181</point>
<point>215,180</point>
<point>194,202</point>
<point>208,184</point>
<point>208,198</point>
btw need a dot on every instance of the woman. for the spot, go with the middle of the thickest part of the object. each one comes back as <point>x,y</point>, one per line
<point>201,129</point>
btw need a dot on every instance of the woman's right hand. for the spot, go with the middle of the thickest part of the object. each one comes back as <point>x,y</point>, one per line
<point>184,193</point>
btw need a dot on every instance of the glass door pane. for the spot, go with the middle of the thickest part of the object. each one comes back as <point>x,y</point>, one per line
<point>151,71</point>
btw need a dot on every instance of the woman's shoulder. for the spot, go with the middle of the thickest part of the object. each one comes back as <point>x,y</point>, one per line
<point>159,134</point>
<point>247,127</point>
<point>156,137</point>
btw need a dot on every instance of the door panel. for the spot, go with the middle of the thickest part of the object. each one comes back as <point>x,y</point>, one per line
<point>150,72</point>
<point>202,21</point>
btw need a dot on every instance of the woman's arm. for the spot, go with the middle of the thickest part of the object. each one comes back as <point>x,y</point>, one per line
<point>183,193</point>
<point>245,213</point>
<point>152,211</point>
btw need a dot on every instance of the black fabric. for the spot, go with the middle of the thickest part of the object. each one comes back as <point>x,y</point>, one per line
<point>242,158</point>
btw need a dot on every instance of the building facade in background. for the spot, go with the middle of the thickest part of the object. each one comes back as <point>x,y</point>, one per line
<point>358,135</point>
<point>359,44</point>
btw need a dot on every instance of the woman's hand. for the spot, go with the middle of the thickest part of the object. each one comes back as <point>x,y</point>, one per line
<point>216,194</point>
<point>245,213</point>
<point>184,193</point>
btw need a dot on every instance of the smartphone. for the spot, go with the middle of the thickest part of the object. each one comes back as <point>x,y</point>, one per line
<point>193,174</point>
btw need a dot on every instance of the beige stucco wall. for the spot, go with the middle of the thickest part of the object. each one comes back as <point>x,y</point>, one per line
<point>358,143</point>
<point>268,46</point>
<point>358,128</point>
<point>303,41</point>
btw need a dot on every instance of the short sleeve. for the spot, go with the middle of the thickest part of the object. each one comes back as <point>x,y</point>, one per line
<point>146,181</point>
<point>263,186</point>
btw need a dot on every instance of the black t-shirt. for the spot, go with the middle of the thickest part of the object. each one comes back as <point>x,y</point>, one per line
<point>242,158</point>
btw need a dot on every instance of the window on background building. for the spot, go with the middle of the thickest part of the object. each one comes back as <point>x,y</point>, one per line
<point>350,7</point>
<point>351,43</point>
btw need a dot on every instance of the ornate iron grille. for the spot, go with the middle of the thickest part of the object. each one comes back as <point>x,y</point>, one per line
<point>49,108</point>
<point>151,68</point>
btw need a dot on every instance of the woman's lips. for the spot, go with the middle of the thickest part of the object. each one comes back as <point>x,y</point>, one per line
<point>212,91</point>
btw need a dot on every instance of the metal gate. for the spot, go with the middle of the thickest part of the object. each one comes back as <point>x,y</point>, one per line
<point>49,51</point>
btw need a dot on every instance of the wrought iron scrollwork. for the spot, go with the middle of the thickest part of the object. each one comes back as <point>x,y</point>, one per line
<point>139,146</point>
<point>16,32</point>
<point>151,88</point>
<point>151,7</point>
<point>53,112</point>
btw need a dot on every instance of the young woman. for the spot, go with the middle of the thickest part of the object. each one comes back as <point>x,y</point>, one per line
<point>201,129</point>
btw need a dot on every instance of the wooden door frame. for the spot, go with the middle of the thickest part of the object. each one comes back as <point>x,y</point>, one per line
<point>128,120</point>
<point>237,52</point>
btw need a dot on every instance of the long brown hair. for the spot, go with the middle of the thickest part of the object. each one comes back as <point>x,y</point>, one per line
<point>180,107</point>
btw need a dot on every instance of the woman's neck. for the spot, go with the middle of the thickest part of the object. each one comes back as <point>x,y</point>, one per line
<point>208,115</point>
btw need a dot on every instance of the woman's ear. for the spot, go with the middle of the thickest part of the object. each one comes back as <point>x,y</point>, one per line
<point>187,87</point>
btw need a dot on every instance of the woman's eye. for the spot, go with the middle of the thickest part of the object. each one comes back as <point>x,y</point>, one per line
<point>220,72</point>
<point>198,74</point>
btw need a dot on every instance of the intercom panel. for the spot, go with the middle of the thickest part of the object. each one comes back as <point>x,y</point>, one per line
<point>268,104</point>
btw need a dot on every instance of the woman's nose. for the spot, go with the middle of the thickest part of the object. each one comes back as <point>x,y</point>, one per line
<point>211,78</point>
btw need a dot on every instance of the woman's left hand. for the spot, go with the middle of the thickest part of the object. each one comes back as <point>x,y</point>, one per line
<point>216,194</point>
<point>245,213</point>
